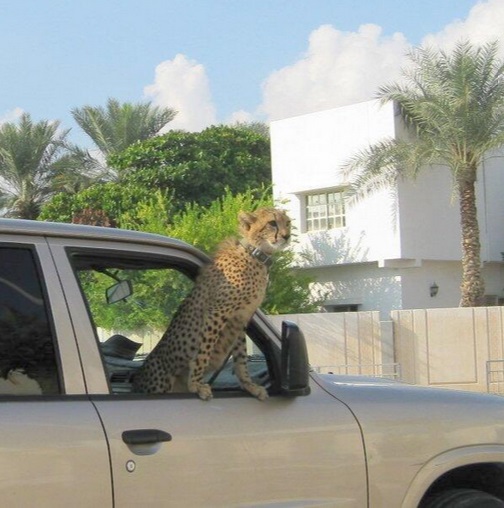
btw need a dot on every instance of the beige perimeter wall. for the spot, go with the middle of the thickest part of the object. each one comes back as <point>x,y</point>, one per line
<point>461,348</point>
<point>452,348</point>
<point>346,342</point>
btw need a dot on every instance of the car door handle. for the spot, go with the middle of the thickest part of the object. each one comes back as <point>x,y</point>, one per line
<point>145,436</point>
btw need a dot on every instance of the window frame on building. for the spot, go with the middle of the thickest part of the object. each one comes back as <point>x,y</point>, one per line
<point>327,214</point>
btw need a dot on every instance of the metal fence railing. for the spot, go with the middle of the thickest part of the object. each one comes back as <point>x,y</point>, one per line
<point>384,370</point>
<point>495,376</point>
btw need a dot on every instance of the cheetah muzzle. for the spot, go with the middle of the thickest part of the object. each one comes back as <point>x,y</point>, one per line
<point>210,323</point>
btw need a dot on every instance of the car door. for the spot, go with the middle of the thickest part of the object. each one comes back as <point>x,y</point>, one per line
<point>304,451</point>
<point>53,450</point>
<point>176,450</point>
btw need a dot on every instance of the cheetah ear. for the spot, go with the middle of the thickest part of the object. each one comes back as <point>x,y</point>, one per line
<point>246,220</point>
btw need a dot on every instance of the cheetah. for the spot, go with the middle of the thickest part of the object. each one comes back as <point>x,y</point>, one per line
<point>210,323</point>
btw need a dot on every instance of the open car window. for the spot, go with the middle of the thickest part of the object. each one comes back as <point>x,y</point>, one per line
<point>131,302</point>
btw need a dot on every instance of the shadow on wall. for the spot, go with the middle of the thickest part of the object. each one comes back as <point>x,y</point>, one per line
<point>344,275</point>
<point>328,248</point>
<point>344,342</point>
<point>373,293</point>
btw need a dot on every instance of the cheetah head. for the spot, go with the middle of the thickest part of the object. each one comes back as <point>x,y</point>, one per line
<point>268,229</point>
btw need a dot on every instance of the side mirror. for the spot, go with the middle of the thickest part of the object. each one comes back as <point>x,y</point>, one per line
<point>119,291</point>
<point>295,366</point>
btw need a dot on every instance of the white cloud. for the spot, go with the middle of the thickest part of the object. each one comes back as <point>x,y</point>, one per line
<point>339,68</point>
<point>240,116</point>
<point>11,116</point>
<point>182,84</point>
<point>484,23</point>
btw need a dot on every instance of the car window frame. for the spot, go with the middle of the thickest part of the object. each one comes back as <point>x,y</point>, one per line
<point>176,256</point>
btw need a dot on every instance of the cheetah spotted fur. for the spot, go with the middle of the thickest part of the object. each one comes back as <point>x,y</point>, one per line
<point>210,323</point>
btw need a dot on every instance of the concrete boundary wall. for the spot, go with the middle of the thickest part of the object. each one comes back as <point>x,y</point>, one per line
<point>450,348</point>
<point>348,342</point>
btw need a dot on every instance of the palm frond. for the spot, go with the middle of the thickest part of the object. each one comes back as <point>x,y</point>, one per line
<point>383,164</point>
<point>117,126</point>
<point>28,150</point>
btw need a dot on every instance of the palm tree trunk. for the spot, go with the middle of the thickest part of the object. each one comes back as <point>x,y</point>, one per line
<point>472,287</point>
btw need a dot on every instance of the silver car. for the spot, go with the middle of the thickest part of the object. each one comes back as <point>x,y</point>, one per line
<point>80,309</point>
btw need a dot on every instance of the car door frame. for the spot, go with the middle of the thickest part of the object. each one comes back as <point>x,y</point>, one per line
<point>53,446</point>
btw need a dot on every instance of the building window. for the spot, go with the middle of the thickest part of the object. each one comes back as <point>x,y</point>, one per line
<point>349,307</point>
<point>325,210</point>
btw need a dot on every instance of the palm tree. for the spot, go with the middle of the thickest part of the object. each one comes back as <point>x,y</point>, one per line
<point>32,158</point>
<point>117,126</point>
<point>112,129</point>
<point>454,104</point>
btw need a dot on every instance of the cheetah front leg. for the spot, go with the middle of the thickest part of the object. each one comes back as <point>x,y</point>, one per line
<point>197,368</point>
<point>242,372</point>
<point>212,326</point>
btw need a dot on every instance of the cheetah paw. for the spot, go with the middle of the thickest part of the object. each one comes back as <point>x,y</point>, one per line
<point>204,392</point>
<point>257,391</point>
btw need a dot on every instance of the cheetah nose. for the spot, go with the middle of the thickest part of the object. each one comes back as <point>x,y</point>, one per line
<point>286,237</point>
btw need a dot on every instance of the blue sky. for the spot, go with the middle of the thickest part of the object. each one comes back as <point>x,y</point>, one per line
<point>218,60</point>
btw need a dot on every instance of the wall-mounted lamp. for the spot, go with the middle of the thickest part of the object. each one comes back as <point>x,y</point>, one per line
<point>434,289</point>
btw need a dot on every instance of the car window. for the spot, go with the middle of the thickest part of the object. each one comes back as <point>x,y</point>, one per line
<point>28,363</point>
<point>131,302</point>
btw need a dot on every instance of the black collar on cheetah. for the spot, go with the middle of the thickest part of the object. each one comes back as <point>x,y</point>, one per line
<point>258,254</point>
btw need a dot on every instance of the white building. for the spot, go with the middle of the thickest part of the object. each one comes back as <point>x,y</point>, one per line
<point>387,251</point>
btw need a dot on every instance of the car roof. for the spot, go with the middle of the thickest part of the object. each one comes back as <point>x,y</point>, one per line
<point>56,229</point>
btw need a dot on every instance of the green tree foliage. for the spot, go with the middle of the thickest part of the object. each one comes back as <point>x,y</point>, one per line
<point>189,186</point>
<point>206,227</point>
<point>259,127</point>
<point>186,167</point>
<point>156,296</point>
<point>33,165</point>
<point>107,200</point>
<point>194,167</point>
<point>454,104</point>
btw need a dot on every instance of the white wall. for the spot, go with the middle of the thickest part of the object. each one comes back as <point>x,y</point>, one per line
<point>364,284</point>
<point>429,215</point>
<point>307,150</point>
<point>490,201</point>
<point>416,283</point>
<point>307,154</point>
<point>415,221</point>
<point>397,242</point>
<point>388,289</point>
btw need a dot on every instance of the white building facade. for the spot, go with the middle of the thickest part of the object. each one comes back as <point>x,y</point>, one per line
<point>392,249</point>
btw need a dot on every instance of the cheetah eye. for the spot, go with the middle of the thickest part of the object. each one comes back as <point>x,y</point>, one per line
<point>273,223</point>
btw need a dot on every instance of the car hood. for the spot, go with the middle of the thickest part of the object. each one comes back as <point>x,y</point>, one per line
<point>412,432</point>
<point>391,405</point>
